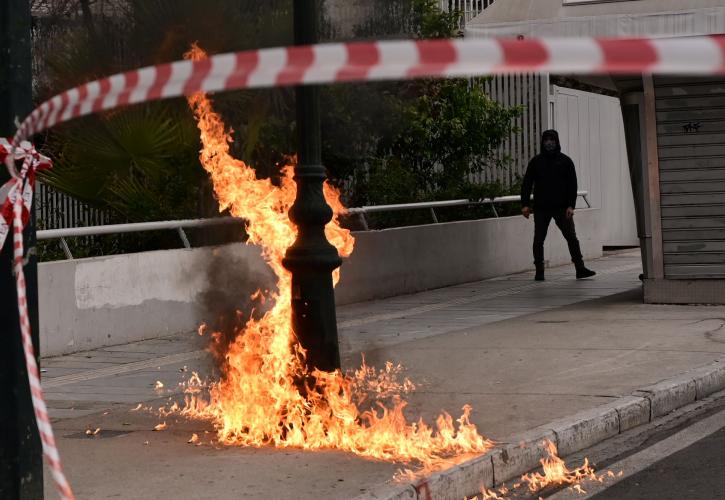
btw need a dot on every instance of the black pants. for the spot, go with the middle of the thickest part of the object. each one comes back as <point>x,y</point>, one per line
<point>542,218</point>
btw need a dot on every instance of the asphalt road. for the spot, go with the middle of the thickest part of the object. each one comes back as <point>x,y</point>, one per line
<point>694,473</point>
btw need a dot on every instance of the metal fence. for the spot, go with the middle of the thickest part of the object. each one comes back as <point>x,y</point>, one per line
<point>56,210</point>
<point>528,91</point>
<point>468,8</point>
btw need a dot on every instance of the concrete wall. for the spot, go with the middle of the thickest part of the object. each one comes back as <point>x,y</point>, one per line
<point>410,259</point>
<point>90,303</point>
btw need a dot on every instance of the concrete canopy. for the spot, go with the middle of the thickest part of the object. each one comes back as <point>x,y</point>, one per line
<point>539,18</point>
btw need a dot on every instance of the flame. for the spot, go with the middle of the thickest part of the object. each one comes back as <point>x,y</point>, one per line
<point>487,494</point>
<point>258,401</point>
<point>557,473</point>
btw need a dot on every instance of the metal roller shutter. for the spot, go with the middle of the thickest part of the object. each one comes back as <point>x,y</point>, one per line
<point>691,148</point>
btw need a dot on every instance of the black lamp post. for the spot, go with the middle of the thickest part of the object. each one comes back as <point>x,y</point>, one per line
<point>311,258</point>
<point>21,465</point>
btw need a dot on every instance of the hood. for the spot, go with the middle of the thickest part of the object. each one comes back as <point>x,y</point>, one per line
<point>555,135</point>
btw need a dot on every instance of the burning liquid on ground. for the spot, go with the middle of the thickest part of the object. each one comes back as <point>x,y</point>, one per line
<point>554,474</point>
<point>257,401</point>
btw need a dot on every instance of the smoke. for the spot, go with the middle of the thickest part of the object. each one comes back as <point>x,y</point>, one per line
<point>234,275</point>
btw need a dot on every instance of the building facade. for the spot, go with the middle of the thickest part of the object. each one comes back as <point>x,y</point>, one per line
<point>674,129</point>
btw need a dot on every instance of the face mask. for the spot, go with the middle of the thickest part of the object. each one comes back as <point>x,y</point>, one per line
<point>549,146</point>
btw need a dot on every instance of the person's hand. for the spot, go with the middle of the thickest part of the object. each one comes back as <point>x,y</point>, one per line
<point>526,211</point>
<point>569,213</point>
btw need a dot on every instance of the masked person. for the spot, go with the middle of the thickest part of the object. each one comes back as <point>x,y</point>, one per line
<point>552,176</point>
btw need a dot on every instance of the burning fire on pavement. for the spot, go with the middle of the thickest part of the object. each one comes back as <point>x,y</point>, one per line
<point>555,474</point>
<point>258,400</point>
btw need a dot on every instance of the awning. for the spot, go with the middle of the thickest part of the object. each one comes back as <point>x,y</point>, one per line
<point>551,18</point>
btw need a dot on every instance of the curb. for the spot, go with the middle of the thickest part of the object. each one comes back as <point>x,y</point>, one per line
<point>570,434</point>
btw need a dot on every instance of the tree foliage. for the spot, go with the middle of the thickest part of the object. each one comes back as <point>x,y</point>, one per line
<point>142,162</point>
<point>420,140</point>
<point>382,142</point>
<point>450,133</point>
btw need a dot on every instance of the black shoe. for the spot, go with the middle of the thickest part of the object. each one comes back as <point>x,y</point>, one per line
<point>582,272</point>
<point>539,273</point>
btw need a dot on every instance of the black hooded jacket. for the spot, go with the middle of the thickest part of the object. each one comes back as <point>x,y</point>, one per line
<point>553,178</point>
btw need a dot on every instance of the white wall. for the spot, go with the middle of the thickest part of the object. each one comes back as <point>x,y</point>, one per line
<point>410,259</point>
<point>592,134</point>
<point>91,303</point>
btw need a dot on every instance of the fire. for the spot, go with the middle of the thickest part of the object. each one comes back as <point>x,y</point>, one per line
<point>557,473</point>
<point>487,494</point>
<point>257,401</point>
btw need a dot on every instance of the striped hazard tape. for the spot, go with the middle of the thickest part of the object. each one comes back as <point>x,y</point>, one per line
<point>387,60</point>
<point>18,203</point>
<point>331,63</point>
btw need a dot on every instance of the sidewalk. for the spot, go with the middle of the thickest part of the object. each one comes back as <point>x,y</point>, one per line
<point>521,353</point>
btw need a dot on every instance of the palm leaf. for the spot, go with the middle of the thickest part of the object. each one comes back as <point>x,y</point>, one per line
<point>139,144</point>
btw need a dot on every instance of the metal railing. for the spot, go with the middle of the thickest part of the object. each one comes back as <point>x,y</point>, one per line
<point>180,225</point>
<point>432,205</point>
<point>138,227</point>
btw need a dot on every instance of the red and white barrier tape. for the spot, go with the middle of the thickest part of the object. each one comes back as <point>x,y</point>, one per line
<point>331,63</point>
<point>16,211</point>
<point>10,156</point>
<point>387,60</point>
<point>41,412</point>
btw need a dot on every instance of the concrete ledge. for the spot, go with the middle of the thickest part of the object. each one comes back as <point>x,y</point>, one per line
<point>93,303</point>
<point>669,395</point>
<point>585,429</point>
<point>523,452</point>
<point>390,262</point>
<point>459,481</point>
<point>709,379</point>
<point>683,291</point>
<point>632,411</point>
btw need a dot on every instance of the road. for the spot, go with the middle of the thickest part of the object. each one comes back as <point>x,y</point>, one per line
<point>681,457</point>
<point>697,472</point>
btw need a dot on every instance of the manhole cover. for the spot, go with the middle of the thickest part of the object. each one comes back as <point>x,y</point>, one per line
<point>96,434</point>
